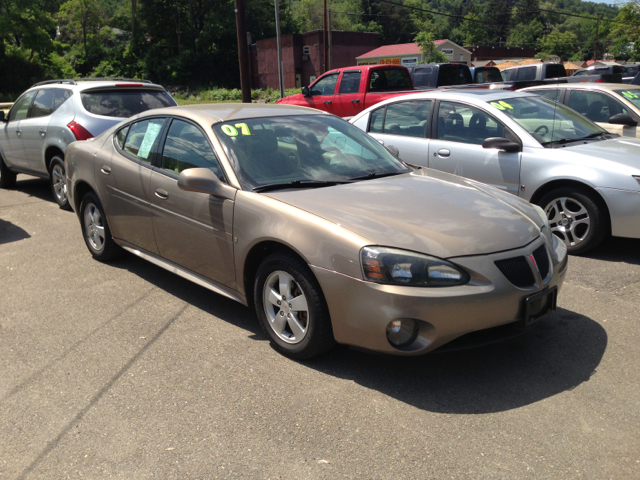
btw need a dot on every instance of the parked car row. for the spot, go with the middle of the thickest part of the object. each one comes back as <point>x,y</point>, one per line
<point>375,233</point>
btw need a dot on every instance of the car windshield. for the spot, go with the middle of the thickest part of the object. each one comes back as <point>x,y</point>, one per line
<point>306,149</point>
<point>124,103</point>
<point>630,94</point>
<point>550,123</point>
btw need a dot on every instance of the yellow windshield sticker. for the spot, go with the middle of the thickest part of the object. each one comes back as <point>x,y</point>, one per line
<point>630,95</point>
<point>229,130</point>
<point>244,128</point>
<point>501,105</point>
<point>232,131</point>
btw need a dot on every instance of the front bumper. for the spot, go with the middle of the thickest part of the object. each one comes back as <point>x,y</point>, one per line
<point>360,311</point>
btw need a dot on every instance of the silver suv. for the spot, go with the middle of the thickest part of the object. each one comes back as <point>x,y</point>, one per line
<point>52,114</point>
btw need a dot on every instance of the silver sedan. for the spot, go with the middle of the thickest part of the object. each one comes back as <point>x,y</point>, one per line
<point>316,226</point>
<point>586,179</point>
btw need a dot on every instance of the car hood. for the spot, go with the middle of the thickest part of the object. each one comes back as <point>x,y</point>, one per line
<point>625,151</point>
<point>296,98</point>
<point>425,211</point>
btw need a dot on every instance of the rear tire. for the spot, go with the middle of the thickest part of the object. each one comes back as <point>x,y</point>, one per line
<point>291,308</point>
<point>57,182</point>
<point>95,230</point>
<point>578,217</point>
<point>7,177</point>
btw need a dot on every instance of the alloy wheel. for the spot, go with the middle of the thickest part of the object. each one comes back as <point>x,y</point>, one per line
<point>569,220</point>
<point>285,306</point>
<point>57,181</point>
<point>94,227</point>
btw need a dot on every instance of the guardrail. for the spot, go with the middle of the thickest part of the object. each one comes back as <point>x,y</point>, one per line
<point>5,106</point>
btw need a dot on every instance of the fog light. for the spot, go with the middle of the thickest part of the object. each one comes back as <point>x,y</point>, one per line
<point>402,332</point>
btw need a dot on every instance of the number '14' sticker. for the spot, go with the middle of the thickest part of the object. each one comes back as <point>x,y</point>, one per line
<point>232,131</point>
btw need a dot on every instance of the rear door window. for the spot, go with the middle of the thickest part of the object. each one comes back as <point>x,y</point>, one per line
<point>350,82</point>
<point>409,119</point>
<point>526,74</point>
<point>43,103</point>
<point>124,103</point>
<point>555,71</point>
<point>141,138</point>
<point>187,147</point>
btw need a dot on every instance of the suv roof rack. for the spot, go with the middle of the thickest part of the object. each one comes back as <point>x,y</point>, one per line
<point>74,81</point>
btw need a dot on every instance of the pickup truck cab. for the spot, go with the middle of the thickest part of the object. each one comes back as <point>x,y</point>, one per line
<point>345,92</point>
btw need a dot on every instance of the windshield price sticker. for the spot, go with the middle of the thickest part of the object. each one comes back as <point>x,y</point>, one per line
<point>232,131</point>
<point>631,95</point>
<point>501,105</point>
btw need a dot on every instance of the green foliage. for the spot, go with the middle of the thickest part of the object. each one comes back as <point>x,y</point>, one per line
<point>525,35</point>
<point>472,32</point>
<point>428,48</point>
<point>560,44</point>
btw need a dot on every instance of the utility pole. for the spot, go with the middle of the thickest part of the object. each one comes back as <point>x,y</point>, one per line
<point>324,35</point>
<point>595,45</point>
<point>280,67</point>
<point>243,57</point>
<point>330,40</point>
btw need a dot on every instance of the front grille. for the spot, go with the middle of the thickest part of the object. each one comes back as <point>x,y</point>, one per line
<point>542,260</point>
<point>517,271</point>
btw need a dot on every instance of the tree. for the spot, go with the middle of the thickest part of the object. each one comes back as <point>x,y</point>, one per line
<point>472,31</point>
<point>524,35</point>
<point>428,48</point>
<point>82,19</point>
<point>497,17</point>
<point>560,44</point>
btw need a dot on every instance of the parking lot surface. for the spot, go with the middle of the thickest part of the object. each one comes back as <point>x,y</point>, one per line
<point>127,371</point>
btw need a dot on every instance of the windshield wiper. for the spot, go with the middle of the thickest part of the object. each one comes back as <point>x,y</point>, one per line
<point>299,184</point>
<point>569,140</point>
<point>371,176</point>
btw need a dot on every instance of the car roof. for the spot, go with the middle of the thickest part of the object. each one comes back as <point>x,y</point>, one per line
<point>224,112</point>
<point>97,83</point>
<point>586,86</point>
<point>482,95</point>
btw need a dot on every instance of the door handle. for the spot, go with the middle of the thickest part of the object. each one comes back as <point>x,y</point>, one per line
<point>162,194</point>
<point>106,169</point>
<point>18,132</point>
<point>355,101</point>
<point>328,102</point>
<point>42,132</point>
<point>443,152</point>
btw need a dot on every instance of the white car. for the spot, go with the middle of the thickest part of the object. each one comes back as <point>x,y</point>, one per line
<point>586,179</point>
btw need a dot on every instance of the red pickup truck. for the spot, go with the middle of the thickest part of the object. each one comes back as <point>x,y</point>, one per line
<point>345,92</point>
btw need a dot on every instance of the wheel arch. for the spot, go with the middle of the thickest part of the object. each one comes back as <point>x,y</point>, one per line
<point>254,258</point>
<point>552,185</point>
<point>51,152</point>
<point>81,189</point>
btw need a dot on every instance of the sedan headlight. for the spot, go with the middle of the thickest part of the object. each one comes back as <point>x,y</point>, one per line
<point>399,267</point>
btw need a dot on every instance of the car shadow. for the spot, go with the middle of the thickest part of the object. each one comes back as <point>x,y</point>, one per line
<point>11,233</point>
<point>556,356</point>
<point>187,291</point>
<point>617,249</point>
<point>34,187</point>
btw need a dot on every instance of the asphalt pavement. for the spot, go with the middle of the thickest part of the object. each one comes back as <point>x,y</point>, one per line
<point>127,371</point>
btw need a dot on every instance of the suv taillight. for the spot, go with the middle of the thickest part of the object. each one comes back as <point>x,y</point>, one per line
<point>79,131</point>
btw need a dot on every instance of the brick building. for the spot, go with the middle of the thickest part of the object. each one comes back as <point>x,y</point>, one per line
<point>302,56</point>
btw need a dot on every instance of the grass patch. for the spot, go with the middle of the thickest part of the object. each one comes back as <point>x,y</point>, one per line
<point>225,95</point>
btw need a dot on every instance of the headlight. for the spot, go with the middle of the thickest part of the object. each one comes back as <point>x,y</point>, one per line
<point>399,267</point>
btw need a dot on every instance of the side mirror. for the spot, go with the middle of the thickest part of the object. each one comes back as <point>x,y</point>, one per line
<point>393,150</point>
<point>501,144</point>
<point>203,180</point>
<point>305,91</point>
<point>622,119</point>
<point>2,119</point>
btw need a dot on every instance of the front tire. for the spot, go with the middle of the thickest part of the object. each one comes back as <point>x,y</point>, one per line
<point>576,216</point>
<point>291,308</point>
<point>95,230</point>
<point>7,177</point>
<point>57,182</point>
